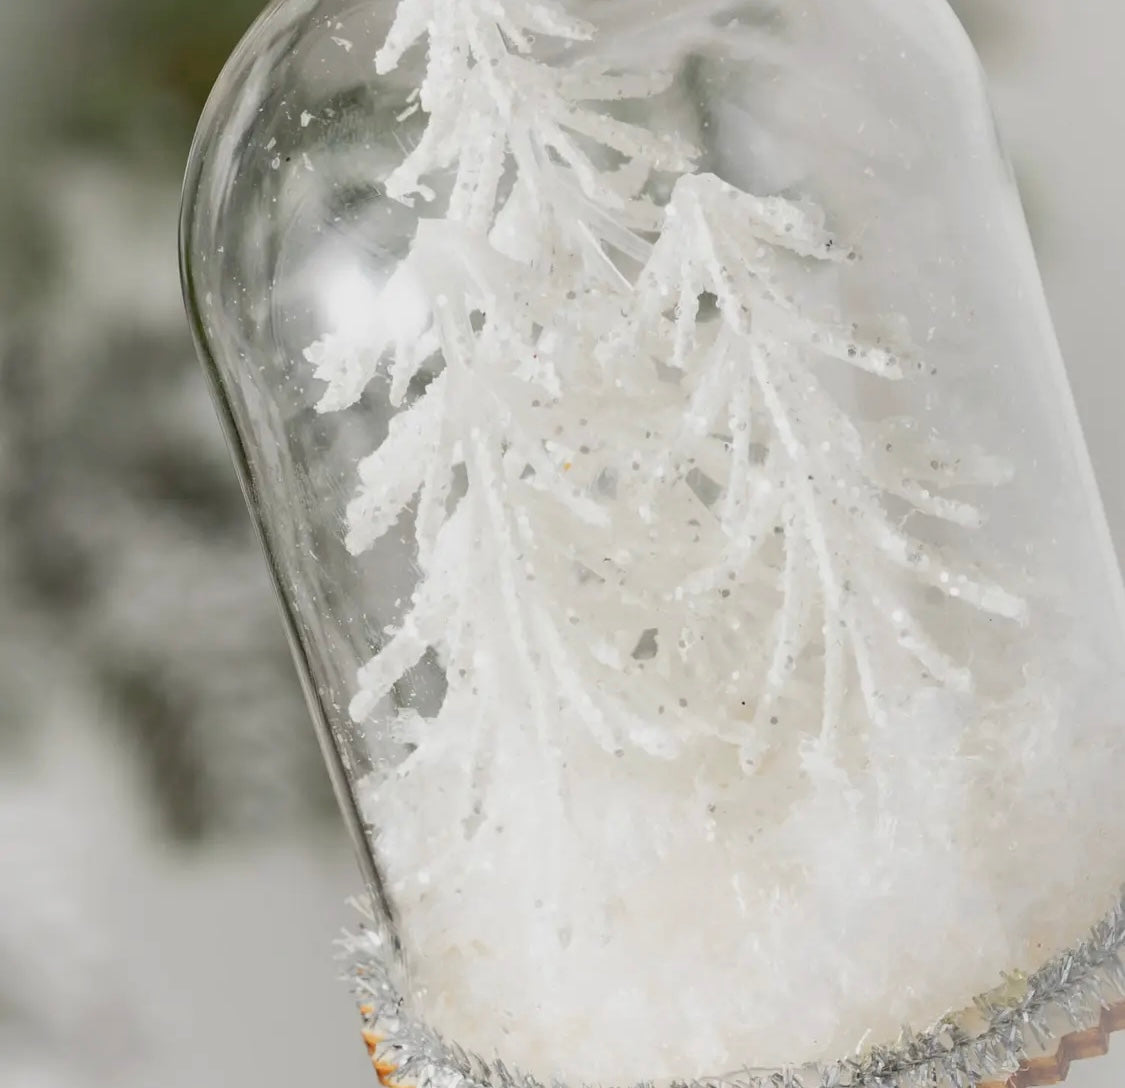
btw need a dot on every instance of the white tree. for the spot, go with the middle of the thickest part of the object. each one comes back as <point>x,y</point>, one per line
<point>549,313</point>
<point>801,484</point>
<point>534,266</point>
<point>645,526</point>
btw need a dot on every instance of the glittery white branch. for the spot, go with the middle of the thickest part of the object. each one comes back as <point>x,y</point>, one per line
<point>847,568</point>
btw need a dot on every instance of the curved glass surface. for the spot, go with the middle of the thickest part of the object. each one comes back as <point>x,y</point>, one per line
<point>661,446</point>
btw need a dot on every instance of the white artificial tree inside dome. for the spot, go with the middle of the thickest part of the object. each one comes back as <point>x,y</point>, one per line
<point>753,563</point>
<point>695,646</point>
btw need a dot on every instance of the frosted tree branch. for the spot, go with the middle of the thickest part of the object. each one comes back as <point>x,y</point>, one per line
<point>642,522</point>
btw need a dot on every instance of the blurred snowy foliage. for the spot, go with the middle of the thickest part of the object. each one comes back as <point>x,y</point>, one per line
<point>147,696</point>
<point>127,536</point>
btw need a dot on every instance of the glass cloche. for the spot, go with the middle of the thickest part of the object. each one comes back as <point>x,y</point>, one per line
<point>663,452</point>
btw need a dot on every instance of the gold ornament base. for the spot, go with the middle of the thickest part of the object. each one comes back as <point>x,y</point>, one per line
<point>1078,1045</point>
<point>1033,1072</point>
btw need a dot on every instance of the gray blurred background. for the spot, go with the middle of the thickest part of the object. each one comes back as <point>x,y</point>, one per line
<point>172,870</point>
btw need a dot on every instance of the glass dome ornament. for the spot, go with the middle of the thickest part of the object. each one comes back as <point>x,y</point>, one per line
<point>687,540</point>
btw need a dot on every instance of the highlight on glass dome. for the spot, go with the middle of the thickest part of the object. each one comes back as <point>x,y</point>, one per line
<point>674,492</point>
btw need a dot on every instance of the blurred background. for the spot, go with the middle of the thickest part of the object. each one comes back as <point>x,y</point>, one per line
<point>172,868</point>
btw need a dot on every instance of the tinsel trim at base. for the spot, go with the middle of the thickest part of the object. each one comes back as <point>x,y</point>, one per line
<point>1078,1045</point>
<point>1024,1034</point>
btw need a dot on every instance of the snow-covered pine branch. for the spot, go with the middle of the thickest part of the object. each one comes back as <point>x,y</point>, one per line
<point>801,485</point>
<point>505,290</point>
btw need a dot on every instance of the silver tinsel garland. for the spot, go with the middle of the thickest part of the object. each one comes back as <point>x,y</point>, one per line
<point>985,1043</point>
